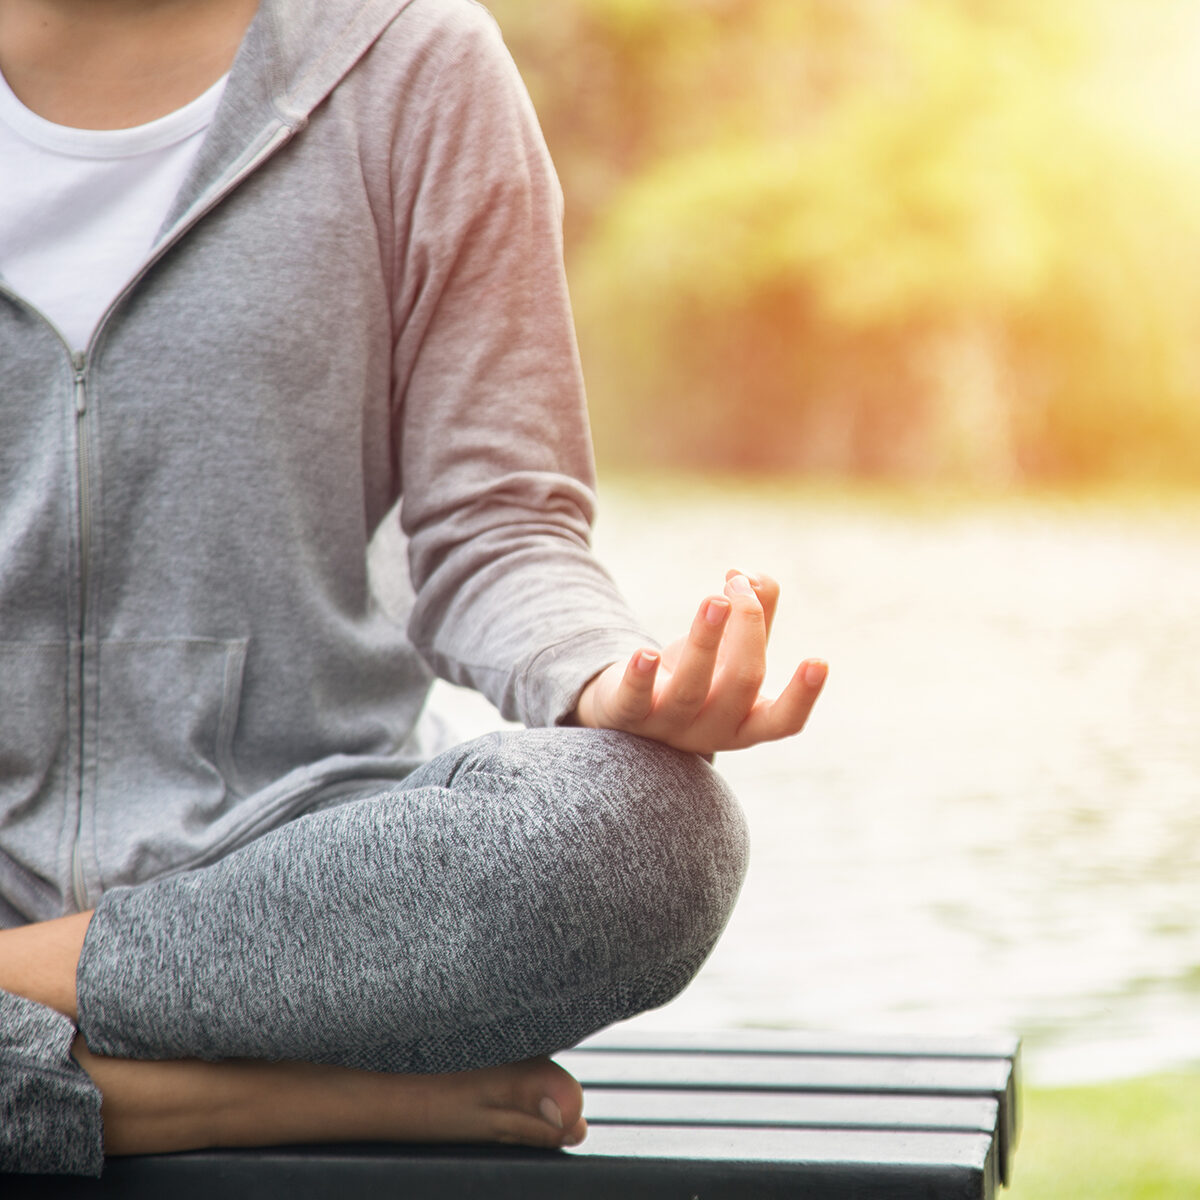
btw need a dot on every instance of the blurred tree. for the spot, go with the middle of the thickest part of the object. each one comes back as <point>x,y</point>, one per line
<point>898,236</point>
<point>622,84</point>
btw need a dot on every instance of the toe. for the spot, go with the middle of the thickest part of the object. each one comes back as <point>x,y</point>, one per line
<point>563,1092</point>
<point>576,1134</point>
<point>543,1089</point>
<point>543,1105</point>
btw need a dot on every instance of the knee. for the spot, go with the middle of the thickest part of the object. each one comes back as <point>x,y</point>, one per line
<point>682,832</point>
<point>615,861</point>
<point>663,844</point>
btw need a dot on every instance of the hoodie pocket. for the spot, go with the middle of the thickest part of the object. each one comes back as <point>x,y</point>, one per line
<point>165,780</point>
<point>33,751</point>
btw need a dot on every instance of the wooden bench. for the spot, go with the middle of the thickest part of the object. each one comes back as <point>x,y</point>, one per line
<point>692,1117</point>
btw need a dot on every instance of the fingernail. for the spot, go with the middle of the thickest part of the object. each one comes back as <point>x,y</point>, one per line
<point>755,582</point>
<point>573,1140</point>
<point>646,662</point>
<point>715,610</point>
<point>814,674</point>
<point>551,1112</point>
<point>741,585</point>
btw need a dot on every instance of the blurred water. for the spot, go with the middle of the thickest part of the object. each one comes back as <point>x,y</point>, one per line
<point>992,821</point>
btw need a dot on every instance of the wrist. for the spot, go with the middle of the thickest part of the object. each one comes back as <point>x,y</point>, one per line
<point>584,713</point>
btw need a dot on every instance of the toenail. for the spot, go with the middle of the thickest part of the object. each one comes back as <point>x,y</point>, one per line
<point>551,1112</point>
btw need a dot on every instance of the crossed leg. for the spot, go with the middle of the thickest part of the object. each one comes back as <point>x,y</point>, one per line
<point>399,967</point>
<point>151,1107</point>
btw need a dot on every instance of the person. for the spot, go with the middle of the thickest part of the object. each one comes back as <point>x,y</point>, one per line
<point>271,276</point>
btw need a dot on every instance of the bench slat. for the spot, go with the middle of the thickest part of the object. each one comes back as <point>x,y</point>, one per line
<point>794,1146</point>
<point>787,1041</point>
<point>820,1110</point>
<point>826,1073</point>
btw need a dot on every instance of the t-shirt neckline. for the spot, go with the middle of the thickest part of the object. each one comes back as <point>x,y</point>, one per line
<point>158,134</point>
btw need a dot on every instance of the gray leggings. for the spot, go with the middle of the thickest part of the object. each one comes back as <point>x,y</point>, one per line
<point>508,898</point>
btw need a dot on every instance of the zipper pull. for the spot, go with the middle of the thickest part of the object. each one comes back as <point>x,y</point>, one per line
<point>79,361</point>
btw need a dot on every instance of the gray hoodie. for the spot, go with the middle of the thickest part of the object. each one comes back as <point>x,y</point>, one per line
<point>358,293</point>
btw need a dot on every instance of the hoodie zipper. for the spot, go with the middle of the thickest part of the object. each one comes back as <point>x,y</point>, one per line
<point>84,468</point>
<point>84,473</point>
<point>79,361</point>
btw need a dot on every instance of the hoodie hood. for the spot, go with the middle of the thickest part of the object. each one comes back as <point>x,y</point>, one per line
<point>294,54</point>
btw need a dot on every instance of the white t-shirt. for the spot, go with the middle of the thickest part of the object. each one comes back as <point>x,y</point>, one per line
<point>80,208</point>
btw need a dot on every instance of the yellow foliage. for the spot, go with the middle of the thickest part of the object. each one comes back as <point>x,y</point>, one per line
<point>888,222</point>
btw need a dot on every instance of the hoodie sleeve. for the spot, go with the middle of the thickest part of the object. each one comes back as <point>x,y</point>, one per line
<point>491,429</point>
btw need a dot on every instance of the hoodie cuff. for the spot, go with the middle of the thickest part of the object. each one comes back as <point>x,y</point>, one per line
<point>49,1107</point>
<point>551,685</point>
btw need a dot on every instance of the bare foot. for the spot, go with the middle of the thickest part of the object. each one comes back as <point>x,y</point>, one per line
<point>157,1107</point>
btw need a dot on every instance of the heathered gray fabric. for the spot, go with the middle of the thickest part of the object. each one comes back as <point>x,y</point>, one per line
<point>49,1107</point>
<point>507,899</point>
<point>358,295</point>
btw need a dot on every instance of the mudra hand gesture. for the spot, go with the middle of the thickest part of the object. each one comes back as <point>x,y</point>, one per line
<point>702,693</point>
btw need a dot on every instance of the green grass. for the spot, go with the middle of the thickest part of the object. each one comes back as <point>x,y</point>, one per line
<point>1133,1140</point>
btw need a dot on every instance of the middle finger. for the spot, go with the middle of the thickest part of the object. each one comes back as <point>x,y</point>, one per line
<point>744,654</point>
<point>765,588</point>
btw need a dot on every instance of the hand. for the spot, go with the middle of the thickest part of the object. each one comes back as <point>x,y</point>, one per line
<point>702,694</point>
